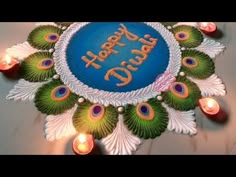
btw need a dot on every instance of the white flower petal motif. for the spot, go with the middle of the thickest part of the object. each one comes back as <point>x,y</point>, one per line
<point>24,90</point>
<point>59,126</point>
<point>181,122</point>
<point>211,86</point>
<point>45,23</point>
<point>21,51</point>
<point>211,47</point>
<point>121,141</point>
<point>194,24</point>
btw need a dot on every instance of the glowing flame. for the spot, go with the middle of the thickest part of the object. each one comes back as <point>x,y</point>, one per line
<point>8,59</point>
<point>204,24</point>
<point>210,104</point>
<point>82,138</point>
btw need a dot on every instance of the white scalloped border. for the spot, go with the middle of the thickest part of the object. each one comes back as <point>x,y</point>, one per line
<point>113,98</point>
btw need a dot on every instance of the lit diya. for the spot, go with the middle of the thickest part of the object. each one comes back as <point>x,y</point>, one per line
<point>209,106</point>
<point>8,64</point>
<point>83,144</point>
<point>207,27</point>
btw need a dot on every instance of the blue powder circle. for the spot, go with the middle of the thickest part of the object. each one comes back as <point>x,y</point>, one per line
<point>92,36</point>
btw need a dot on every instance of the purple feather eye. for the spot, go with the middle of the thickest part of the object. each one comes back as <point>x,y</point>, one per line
<point>182,36</point>
<point>51,37</point>
<point>189,62</point>
<point>145,111</point>
<point>46,63</point>
<point>60,93</point>
<point>179,89</point>
<point>97,109</point>
<point>96,112</point>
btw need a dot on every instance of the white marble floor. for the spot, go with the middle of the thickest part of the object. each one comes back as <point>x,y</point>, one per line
<point>21,125</point>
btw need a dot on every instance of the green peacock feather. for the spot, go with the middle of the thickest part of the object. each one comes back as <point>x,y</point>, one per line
<point>146,120</point>
<point>187,36</point>
<point>197,64</point>
<point>54,98</point>
<point>44,37</point>
<point>95,119</point>
<point>183,95</point>
<point>37,67</point>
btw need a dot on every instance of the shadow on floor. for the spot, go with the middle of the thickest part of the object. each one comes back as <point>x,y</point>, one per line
<point>216,35</point>
<point>221,118</point>
<point>219,34</point>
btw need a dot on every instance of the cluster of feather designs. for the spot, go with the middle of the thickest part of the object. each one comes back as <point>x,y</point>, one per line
<point>121,129</point>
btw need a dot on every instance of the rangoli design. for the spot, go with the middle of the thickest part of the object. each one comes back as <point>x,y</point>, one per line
<point>119,82</point>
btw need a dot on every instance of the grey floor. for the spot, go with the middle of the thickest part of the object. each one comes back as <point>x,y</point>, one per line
<point>21,125</point>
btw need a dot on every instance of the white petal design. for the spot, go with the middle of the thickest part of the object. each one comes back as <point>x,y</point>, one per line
<point>211,86</point>
<point>211,47</point>
<point>59,126</point>
<point>45,23</point>
<point>194,24</point>
<point>24,90</point>
<point>21,51</point>
<point>181,122</point>
<point>121,141</point>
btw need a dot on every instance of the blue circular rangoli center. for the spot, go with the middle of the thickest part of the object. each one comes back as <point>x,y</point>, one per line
<point>102,57</point>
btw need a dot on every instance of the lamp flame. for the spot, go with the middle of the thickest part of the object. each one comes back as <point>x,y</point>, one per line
<point>210,104</point>
<point>204,24</point>
<point>82,138</point>
<point>8,59</point>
